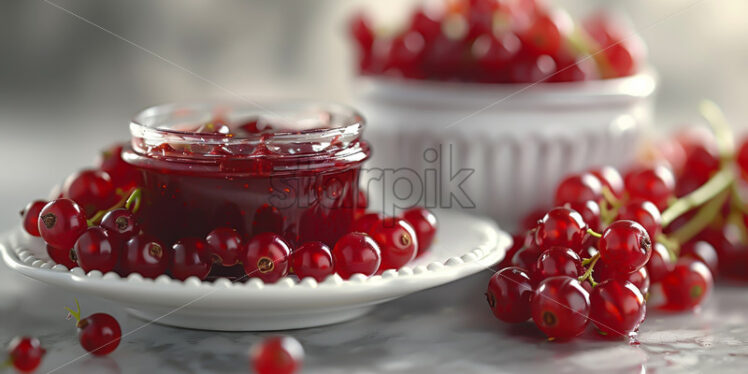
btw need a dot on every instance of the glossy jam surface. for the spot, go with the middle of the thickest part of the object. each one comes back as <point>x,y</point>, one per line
<point>295,173</point>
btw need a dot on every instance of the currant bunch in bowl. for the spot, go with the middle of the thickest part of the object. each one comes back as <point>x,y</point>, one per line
<point>94,224</point>
<point>498,41</point>
<point>667,222</point>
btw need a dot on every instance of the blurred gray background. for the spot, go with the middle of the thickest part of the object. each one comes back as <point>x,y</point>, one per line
<point>68,87</point>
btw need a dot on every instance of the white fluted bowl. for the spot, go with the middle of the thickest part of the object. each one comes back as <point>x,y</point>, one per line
<point>464,245</point>
<point>518,139</point>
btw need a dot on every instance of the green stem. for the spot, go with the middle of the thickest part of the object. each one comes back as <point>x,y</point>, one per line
<point>75,313</point>
<point>725,142</point>
<point>718,183</point>
<point>701,220</point>
<point>134,199</point>
<point>124,202</point>
<point>594,233</point>
<point>588,274</point>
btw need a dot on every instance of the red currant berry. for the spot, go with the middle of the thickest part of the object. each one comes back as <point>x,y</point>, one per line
<point>406,54</point>
<point>99,334</point>
<point>704,252</point>
<point>530,220</point>
<point>493,54</point>
<point>526,258</point>
<point>91,189</point>
<point>225,246</point>
<point>190,257</point>
<point>145,255</point>
<point>660,263</point>
<point>590,212</point>
<point>644,213</point>
<point>543,37</point>
<point>731,253</point>
<point>61,222</point>
<point>626,244</point>
<point>508,295</point>
<point>616,307</point>
<point>742,158</point>
<point>687,285</point>
<point>561,227</point>
<point>560,307</point>
<point>639,278</point>
<point>611,178</point>
<point>362,32</point>
<point>96,251</point>
<point>267,257</point>
<point>313,259</point>
<point>425,24</point>
<point>702,161</point>
<point>425,224</point>
<point>354,253</point>
<point>655,184</point>
<point>444,57</point>
<point>366,223</point>
<point>578,188</point>
<point>557,261</point>
<point>121,225</point>
<point>124,176</point>
<point>30,216</point>
<point>397,242</point>
<point>531,69</point>
<point>277,355</point>
<point>574,69</point>
<point>62,256</point>
<point>25,353</point>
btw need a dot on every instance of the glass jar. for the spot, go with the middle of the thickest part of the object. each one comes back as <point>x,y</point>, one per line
<point>292,169</point>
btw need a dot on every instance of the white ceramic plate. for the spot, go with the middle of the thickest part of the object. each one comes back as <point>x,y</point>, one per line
<point>464,245</point>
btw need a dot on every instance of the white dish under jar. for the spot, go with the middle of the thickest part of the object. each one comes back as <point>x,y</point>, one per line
<point>515,140</point>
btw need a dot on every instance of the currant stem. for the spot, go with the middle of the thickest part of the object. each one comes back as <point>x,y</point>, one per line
<point>701,220</point>
<point>75,314</point>
<point>718,183</point>
<point>594,233</point>
<point>725,143</point>
<point>588,273</point>
<point>126,201</point>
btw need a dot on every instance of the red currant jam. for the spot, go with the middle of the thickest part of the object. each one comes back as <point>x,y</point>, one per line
<point>291,169</point>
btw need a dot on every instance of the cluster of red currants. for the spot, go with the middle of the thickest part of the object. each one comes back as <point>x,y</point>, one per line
<point>85,227</point>
<point>594,256</point>
<point>499,41</point>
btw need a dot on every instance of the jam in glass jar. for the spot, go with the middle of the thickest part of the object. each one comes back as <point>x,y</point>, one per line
<point>292,169</point>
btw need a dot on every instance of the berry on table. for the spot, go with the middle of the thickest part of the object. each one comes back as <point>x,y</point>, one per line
<point>660,263</point>
<point>98,333</point>
<point>30,217</point>
<point>561,227</point>
<point>95,250</point>
<point>626,244</point>
<point>267,257</point>
<point>702,251</point>
<point>560,307</point>
<point>277,355</point>
<point>61,222</point>
<point>687,285</point>
<point>225,246</point>
<point>397,242</point>
<point>509,293</point>
<point>616,307</point>
<point>91,189</point>
<point>312,259</point>
<point>425,224</point>
<point>190,257</point>
<point>121,225</point>
<point>145,255</point>
<point>355,253</point>
<point>25,353</point>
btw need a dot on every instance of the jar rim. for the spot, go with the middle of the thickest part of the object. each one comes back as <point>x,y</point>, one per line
<point>148,122</point>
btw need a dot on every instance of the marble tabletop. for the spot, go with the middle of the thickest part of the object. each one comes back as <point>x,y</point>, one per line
<point>448,329</point>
